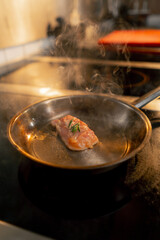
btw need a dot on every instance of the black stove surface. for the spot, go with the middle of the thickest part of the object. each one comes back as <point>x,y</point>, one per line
<point>120,204</point>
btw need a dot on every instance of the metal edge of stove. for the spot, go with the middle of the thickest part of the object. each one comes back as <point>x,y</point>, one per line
<point>28,90</point>
<point>5,69</point>
<point>120,63</point>
<point>11,232</point>
<point>47,92</point>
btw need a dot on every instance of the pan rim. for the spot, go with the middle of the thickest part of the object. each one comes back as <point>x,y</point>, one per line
<point>91,167</point>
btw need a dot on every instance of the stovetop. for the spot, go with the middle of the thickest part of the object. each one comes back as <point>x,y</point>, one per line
<point>120,204</point>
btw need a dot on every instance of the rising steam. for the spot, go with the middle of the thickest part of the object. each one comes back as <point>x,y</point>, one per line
<point>80,41</point>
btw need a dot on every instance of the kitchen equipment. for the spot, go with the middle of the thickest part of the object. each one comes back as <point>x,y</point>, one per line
<point>138,37</point>
<point>135,40</point>
<point>123,130</point>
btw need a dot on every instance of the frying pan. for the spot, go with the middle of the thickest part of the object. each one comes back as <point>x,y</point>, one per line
<point>122,128</point>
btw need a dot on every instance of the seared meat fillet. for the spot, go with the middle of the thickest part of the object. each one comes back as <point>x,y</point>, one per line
<point>74,133</point>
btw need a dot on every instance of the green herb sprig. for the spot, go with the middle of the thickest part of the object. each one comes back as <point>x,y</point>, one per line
<point>70,123</point>
<point>75,127</point>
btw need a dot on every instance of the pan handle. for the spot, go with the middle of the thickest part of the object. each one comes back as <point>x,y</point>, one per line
<point>146,98</point>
